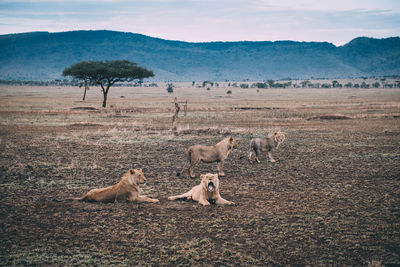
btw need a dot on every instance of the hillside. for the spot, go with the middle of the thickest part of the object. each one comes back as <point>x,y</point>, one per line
<point>43,56</point>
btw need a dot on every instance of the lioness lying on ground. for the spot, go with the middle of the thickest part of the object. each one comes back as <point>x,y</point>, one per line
<point>209,154</point>
<point>272,141</point>
<point>126,190</point>
<point>208,189</point>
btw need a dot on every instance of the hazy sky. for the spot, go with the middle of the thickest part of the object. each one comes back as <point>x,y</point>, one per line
<point>336,21</point>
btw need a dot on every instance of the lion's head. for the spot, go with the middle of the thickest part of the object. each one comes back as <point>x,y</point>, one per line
<point>136,176</point>
<point>232,142</point>
<point>210,182</point>
<point>278,137</point>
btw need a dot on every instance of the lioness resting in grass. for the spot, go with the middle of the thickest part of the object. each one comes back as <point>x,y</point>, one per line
<point>270,143</point>
<point>126,190</point>
<point>209,154</point>
<point>207,190</point>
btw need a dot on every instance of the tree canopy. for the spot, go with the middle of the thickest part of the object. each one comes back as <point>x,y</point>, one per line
<point>107,73</point>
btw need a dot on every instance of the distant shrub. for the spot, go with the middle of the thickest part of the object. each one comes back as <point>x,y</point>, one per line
<point>243,85</point>
<point>305,83</point>
<point>270,83</point>
<point>207,82</point>
<point>228,92</point>
<point>260,85</point>
<point>170,88</point>
<point>336,84</point>
<point>348,85</point>
<point>282,85</point>
<point>325,85</point>
<point>376,85</point>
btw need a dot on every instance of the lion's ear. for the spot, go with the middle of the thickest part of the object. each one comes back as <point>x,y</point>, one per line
<point>202,176</point>
<point>132,171</point>
<point>231,139</point>
<point>140,170</point>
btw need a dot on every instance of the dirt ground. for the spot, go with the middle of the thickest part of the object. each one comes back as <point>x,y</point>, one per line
<point>332,197</point>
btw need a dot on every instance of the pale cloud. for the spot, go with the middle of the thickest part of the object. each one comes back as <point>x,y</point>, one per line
<point>336,21</point>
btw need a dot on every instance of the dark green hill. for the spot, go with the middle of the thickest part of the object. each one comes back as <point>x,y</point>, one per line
<point>43,56</point>
<point>373,56</point>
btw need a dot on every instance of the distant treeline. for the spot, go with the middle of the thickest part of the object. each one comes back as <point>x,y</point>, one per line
<point>67,82</point>
<point>309,84</point>
<point>375,83</point>
<point>393,82</point>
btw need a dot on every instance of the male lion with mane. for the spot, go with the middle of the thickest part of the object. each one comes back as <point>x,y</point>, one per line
<point>126,190</point>
<point>209,154</point>
<point>207,190</point>
<point>270,143</point>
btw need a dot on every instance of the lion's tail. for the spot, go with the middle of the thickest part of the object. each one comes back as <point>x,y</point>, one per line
<point>77,198</point>
<point>179,173</point>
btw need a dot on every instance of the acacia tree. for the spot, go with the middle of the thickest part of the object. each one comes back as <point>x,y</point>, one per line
<point>107,73</point>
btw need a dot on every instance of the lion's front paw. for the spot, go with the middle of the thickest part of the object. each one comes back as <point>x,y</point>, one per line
<point>155,200</point>
<point>272,160</point>
<point>221,174</point>
<point>205,203</point>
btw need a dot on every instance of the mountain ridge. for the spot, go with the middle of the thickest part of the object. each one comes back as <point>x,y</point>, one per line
<point>43,56</point>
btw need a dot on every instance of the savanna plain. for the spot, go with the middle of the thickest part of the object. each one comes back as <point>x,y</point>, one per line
<point>331,198</point>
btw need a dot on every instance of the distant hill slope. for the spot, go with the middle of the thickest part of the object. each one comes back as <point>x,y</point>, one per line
<point>43,56</point>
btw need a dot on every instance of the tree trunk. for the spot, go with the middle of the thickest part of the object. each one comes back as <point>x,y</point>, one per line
<point>84,94</point>
<point>104,100</point>
<point>105,92</point>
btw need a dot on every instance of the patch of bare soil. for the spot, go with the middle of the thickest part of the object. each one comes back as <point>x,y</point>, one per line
<point>85,125</point>
<point>256,108</point>
<point>84,108</point>
<point>330,117</point>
